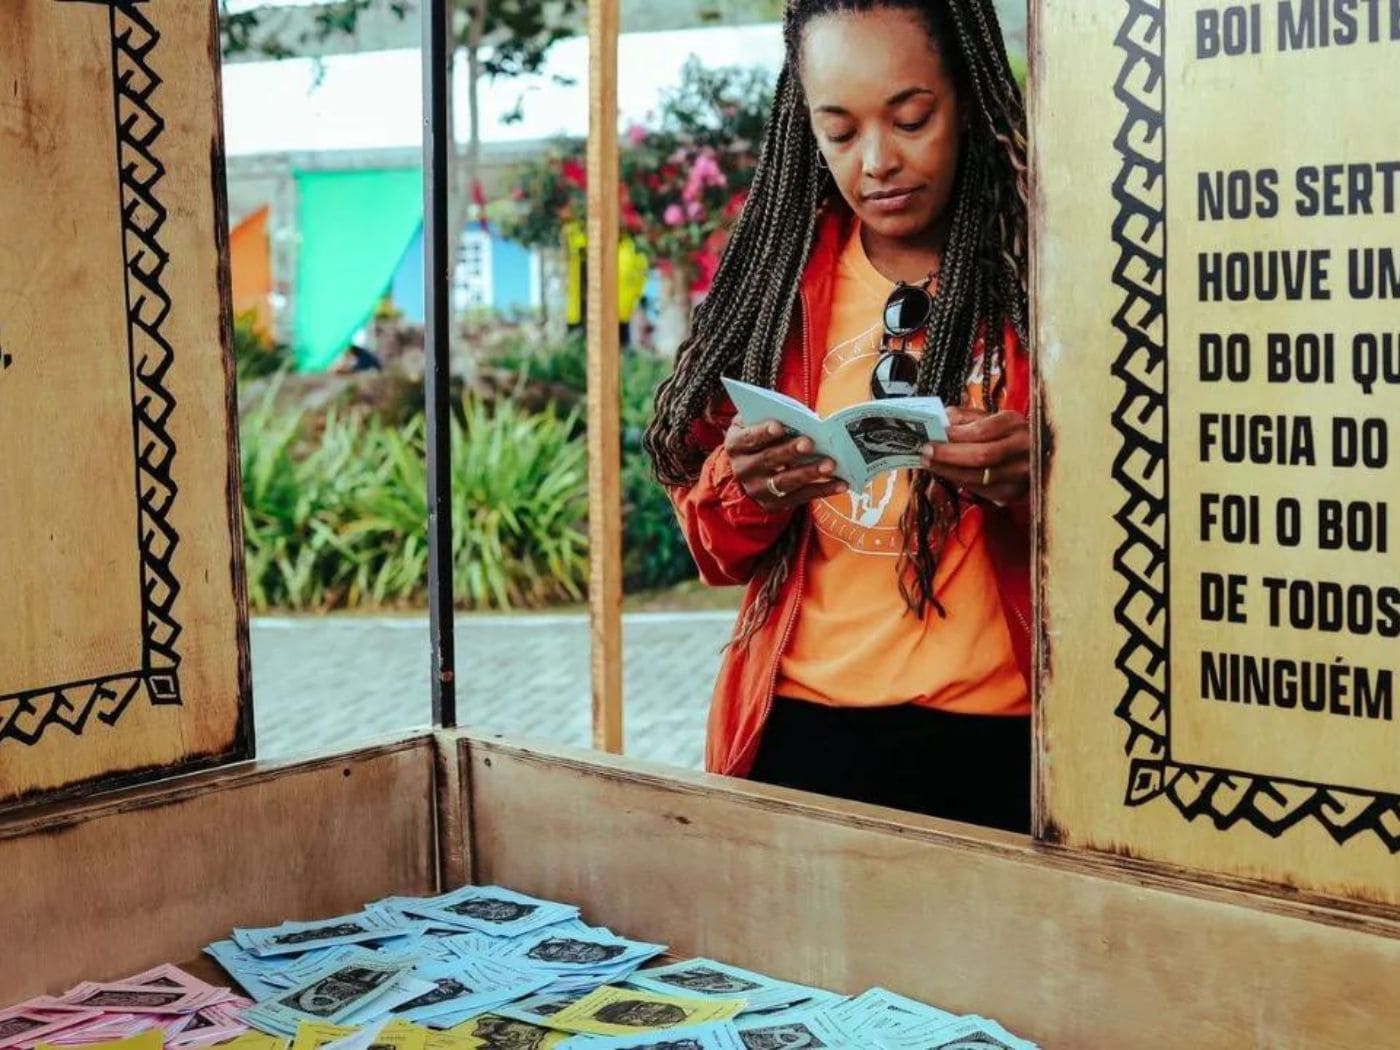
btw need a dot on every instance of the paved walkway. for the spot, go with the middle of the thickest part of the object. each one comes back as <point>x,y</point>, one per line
<point>325,682</point>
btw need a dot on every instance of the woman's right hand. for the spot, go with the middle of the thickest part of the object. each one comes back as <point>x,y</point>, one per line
<point>772,467</point>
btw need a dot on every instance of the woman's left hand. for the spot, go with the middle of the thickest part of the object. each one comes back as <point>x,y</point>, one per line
<point>987,455</point>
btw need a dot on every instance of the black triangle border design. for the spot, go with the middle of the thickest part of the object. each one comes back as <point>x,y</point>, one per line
<point>1225,797</point>
<point>27,715</point>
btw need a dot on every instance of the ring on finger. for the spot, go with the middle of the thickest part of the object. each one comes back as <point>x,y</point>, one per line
<point>986,477</point>
<point>773,488</point>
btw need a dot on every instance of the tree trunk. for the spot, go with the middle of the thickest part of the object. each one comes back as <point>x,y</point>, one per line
<point>453,197</point>
<point>467,164</point>
<point>673,312</point>
<point>554,288</point>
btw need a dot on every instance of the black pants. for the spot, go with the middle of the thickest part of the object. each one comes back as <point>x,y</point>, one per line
<point>971,768</point>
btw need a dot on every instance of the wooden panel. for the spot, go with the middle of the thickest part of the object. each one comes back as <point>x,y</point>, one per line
<point>125,649</point>
<point>99,890</point>
<point>1257,739</point>
<point>604,381</point>
<point>451,823</point>
<point>1069,949</point>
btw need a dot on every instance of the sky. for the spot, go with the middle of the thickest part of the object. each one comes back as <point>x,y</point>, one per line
<point>373,100</point>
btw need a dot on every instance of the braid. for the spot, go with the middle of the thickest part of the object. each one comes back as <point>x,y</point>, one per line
<point>740,328</point>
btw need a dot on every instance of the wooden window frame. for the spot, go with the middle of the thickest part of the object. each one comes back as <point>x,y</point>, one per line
<point>604,368</point>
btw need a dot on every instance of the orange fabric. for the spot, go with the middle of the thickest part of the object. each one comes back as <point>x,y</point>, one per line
<point>727,532</point>
<point>854,642</point>
<point>250,260</point>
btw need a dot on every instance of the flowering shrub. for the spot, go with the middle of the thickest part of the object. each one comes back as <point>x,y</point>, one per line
<point>684,175</point>
<point>682,200</point>
<point>548,193</point>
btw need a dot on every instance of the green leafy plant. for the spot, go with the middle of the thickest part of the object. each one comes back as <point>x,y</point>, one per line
<point>335,505</point>
<point>1018,68</point>
<point>520,501</point>
<point>642,373</point>
<point>341,521</point>
<point>255,354</point>
<point>564,363</point>
<point>654,553</point>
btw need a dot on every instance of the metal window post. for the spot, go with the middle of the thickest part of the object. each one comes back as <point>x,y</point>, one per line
<point>438,137</point>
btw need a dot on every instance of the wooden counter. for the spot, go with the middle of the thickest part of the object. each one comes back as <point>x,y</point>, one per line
<point>1073,951</point>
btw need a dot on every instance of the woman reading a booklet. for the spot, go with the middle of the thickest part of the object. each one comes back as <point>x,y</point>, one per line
<point>883,649</point>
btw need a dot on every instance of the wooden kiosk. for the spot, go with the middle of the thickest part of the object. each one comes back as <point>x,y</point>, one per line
<point>1211,870</point>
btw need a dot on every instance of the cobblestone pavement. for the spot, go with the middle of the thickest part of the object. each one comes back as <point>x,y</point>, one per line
<point>326,682</point>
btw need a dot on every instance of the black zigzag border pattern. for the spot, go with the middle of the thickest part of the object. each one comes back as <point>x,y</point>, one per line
<point>26,716</point>
<point>1225,797</point>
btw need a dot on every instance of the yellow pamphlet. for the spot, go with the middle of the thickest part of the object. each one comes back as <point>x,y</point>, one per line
<point>312,1035</point>
<point>626,1011</point>
<point>150,1039</point>
<point>494,1032</point>
<point>256,1041</point>
<point>396,1035</point>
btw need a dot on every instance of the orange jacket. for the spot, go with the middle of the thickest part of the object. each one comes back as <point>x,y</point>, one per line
<point>728,532</point>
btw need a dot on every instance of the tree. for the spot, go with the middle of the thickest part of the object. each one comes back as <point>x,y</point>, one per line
<point>684,181</point>
<point>247,32</point>
<point>500,38</point>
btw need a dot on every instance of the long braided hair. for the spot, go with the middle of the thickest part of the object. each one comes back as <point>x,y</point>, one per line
<point>740,328</point>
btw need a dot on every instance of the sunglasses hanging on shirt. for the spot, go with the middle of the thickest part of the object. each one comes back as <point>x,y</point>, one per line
<point>907,312</point>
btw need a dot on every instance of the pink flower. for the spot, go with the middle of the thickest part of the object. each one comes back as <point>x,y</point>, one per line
<point>674,215</point>
<point>636,134</point>
<point>704,172</point>
<point>706,169</point>
<point>694,211</point>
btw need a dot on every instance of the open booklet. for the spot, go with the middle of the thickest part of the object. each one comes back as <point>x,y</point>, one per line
<point>865,440</point>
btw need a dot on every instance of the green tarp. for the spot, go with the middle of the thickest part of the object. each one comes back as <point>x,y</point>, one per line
<point>353,227</point>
